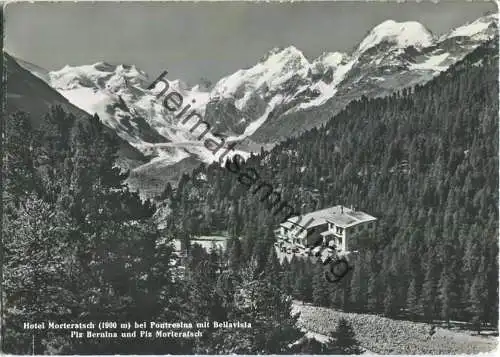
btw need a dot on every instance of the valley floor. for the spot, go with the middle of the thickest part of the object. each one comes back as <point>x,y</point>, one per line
<point>382,335</point>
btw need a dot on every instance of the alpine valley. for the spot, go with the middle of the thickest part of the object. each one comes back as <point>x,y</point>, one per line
<point>281,96</point>
<point>115,211</point>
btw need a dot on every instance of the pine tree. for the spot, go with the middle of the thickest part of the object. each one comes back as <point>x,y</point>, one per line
<point>38,257</point>
<point>20,150</point>
<point>412,301</point>
<point>343,340</point>
<point>235,254</point>
<point>428,296</point>
<point>373,303</point>
<point>272,270</point>
<point>287,277</point>
<point>477,298</point>
<point>319,286</point>
<point>358,288</point>
<point>390,304</point>
<point>268,309</point>
<point>447,294</point>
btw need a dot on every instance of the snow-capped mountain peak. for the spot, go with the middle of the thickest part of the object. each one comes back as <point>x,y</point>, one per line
<point>274,69</point>
<point>331,59</point>
<point>399,34</point>
<point>482,28</point>
<point>283,54</point>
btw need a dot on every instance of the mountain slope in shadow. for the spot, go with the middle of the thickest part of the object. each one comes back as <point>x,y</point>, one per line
<point>28,93</point>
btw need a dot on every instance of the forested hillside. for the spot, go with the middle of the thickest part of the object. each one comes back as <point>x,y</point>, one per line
<point>64,208</point>
<point>424,161</point>
<point>79,247</point>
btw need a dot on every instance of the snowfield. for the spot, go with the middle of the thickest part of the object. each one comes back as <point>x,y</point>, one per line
<point>401,34</point>
<point>433,63</point>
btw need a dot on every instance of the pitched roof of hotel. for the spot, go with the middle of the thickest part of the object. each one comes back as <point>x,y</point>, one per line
<point>345,217</point>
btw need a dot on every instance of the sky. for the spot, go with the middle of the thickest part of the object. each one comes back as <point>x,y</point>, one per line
<point>192,40</point>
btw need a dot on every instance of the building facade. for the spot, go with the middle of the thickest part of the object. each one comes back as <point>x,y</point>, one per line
<point>334,227</point>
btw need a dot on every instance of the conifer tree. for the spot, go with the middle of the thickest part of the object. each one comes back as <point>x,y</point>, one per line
<point>477,298</point>
<point>272,270</point>
<point>447,295</point>
<point>428,297</point>
<point>235,253</point>
<point>373,303</point>
<point>412,301</point>
<point>390,303</point>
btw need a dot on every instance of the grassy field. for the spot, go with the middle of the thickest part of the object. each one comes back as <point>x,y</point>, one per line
<point>386,336</point>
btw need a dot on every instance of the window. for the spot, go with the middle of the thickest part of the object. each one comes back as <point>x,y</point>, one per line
<point>340,230</point>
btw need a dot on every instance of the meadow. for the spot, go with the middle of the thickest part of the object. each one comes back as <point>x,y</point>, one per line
<point>382,335</point>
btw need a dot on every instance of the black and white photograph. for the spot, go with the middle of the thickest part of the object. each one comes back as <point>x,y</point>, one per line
<point>250,177</point>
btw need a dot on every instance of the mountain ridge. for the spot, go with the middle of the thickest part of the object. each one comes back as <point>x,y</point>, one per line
<point>282,95</point>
